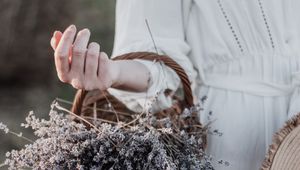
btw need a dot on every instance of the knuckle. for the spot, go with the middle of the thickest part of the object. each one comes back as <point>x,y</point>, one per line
<point>92,54</point>
<point>77,83</point>
<point>77,71</point>
<point>79,52</point>
<point>68,35</point>
<point>89,86</point>
<point>60,54</point>
<point>91,69</point>
<point>63,78</point>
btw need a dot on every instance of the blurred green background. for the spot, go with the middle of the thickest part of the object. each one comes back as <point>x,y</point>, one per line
<point>27,78</point>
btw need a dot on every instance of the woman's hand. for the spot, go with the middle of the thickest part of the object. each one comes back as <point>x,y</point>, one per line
<point>81,63</point>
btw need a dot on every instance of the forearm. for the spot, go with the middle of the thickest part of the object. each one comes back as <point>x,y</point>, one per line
<point>131,76</point>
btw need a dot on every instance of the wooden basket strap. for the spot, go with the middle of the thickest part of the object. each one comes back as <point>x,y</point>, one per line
<point>78,101</point>
<point>188,95</point>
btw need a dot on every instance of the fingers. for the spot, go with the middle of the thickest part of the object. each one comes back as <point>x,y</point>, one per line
<point>52,42</point>
<point>103,59</point>
<point>79,51</point>
<point>103,71</point>
<point>91,62</point>
<point>55,39</point>
<point>78,58</point>
<point>62,53</point>
<point>81,66</point>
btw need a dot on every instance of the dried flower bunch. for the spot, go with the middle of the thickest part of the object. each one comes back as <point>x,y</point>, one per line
<point>63,143</point>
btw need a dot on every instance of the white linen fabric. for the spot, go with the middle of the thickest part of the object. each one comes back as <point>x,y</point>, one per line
<point>243,55</point>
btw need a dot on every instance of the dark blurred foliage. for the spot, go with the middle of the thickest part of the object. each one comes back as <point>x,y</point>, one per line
<point>24,51</point>
<point>28,79</point>
<point>26,30</point>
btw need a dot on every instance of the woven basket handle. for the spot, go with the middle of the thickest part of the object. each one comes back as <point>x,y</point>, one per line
<point>188,97</point>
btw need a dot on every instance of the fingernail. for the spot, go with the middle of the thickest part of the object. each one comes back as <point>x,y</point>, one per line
<point>86,30</point>
<point>54,33</point>
<point>72,27</point>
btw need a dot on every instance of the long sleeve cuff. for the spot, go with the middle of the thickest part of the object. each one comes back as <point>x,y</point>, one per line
<point>154,99</point>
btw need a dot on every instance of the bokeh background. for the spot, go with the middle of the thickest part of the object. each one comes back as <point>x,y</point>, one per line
<point>28,80</point>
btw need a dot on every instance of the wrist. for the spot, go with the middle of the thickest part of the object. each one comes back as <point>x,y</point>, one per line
<point>129,75</point>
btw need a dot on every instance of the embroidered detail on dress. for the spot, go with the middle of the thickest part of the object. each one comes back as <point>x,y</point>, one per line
<point>266,23</point>
<point>230,26</point>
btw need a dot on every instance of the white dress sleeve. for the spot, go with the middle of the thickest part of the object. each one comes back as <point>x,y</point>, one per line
<point>165,19</point>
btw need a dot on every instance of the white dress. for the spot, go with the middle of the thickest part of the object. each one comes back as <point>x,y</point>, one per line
<point>244,55</point>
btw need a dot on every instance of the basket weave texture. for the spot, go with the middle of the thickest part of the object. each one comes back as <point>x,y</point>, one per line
<point>106,107</point>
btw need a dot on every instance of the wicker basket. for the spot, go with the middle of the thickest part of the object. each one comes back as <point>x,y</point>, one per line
<point>102,105</point>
